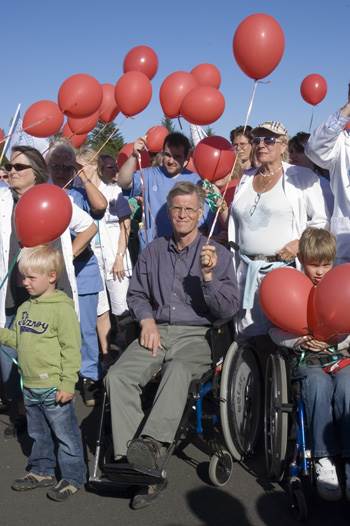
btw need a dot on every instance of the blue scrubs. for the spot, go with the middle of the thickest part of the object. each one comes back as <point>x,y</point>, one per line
<point>89,283</point>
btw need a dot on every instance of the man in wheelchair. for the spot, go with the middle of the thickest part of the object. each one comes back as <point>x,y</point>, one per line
<point>180,286</point>
<point>325,378</point>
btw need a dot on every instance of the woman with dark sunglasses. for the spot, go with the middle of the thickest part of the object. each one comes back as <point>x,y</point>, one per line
<point>272,206</point>
<point>26,169</point>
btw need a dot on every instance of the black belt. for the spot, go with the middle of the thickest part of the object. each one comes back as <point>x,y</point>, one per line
<point>269,259</point>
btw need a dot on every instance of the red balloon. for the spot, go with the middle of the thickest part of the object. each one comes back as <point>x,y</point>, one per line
<point>207,75</point>
<point>80,95</point>
<point>84,125</point>
<point>125,153</point>
<point>109,109</point>
<point>42,214</point>
<point>190,165</point>
<point>155,138</point>
<point>203,105</point>
<point>213,157</point>
<point>173,90</point>
<point>331,305</point>
<point>133,92</point>
<point>42,119</point>
<point>258,45</point>
<point>284,296</point>
<point>143,59</point>
<point>76,140</point>
<point>313,89</point>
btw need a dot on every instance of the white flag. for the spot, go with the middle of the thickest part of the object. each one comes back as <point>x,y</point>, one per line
<point>20,137</point>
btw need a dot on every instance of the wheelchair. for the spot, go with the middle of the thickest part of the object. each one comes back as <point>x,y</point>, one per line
<point>288,457</point>
<point>221,416</point>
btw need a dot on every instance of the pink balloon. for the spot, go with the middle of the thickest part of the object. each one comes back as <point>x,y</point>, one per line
<point>109,108</point>
<point>207,75</point>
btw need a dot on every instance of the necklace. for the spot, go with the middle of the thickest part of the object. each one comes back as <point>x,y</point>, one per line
<point>268,173</point>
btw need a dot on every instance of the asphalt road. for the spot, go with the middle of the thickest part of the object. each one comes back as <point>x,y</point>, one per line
<point>190,499</point>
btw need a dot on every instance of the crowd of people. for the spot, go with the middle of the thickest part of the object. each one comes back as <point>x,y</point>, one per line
<point>108,305</point>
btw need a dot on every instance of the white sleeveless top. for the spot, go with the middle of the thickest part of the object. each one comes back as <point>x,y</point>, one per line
<point>265,220</point>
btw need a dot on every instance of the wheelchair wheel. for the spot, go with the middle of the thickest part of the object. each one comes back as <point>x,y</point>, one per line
<point>240,400</point>
<point>220,468</point>
<point>275,419</point>
<point>298,501</point>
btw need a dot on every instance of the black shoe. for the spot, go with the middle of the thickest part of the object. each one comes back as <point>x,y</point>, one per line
<point>18,427</point>
<point>145,496</point>
<point>90,391</point>
<point>146,453</point>
<point>62,491</point>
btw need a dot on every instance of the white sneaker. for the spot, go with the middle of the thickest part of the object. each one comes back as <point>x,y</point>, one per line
<point>327,482</point>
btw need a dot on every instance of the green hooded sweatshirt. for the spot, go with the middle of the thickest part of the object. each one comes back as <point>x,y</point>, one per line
<point>46,334</point>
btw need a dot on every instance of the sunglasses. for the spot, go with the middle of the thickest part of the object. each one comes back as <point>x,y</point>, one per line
<point>268,141</point>
<point>18,167</point>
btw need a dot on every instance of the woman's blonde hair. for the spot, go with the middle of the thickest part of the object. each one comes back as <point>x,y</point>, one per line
<point>42,259</point>
<point>317,245</point>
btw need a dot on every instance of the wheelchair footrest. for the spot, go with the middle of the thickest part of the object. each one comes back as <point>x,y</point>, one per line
<point>124,474</point>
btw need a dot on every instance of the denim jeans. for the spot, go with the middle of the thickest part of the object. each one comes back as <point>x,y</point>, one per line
<point>9,372</point>
<point>90,363</point>
<point>327,404</point>
<point>50,426</point>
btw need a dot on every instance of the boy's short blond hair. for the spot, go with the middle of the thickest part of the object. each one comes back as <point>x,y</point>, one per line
<point>42,259</point>
<point>317,245</point>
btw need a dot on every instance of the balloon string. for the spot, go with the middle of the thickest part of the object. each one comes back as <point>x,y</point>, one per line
<point>144,217</point>
<point>250,107</point>
<point>311,119</point>
<point>11,267</point>
<point>92,158</point>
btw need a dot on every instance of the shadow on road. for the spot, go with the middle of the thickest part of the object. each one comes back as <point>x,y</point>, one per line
<point>215,508</point>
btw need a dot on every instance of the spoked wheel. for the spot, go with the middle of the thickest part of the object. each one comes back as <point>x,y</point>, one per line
<point>275,418</point>
<point>298,501</point>
<point>220,468</point>
<point>240,400</point>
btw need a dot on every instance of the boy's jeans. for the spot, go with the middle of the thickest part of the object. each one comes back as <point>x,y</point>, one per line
<point>50,425</point>
<point>327,404</point>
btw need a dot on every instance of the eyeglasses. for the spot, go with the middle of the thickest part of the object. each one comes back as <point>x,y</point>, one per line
<point>268,141</point>
<point>62,167</point>
<point>18,167</point>
<point>256,201</point>
<point>189,211</point>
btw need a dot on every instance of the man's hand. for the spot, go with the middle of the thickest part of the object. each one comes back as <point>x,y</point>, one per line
<point>62,397</point>
<point>289,251</point>
<point>209,261</point>
<point>150,337</point>
<point>310,343</point>
<point>139,145</point>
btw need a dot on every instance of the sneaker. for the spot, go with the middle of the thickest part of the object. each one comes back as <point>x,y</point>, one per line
<point>347,479</point>
<point>145,496</point>
<point>33,481</point>
<point>90,391</point>
<point>62,491</point>
<point>146,453</point>
<point>327,482</point>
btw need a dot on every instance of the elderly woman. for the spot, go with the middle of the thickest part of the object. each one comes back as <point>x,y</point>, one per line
<point>272,207</point>
<point>63,168</point>
<point>26,169</point>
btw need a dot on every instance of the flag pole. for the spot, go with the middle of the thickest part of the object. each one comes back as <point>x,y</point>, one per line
<point>9,135</point>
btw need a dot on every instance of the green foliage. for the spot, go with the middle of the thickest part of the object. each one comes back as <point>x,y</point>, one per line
<point>209,131</point>
<point>169,124</point>
<point>99,135</point>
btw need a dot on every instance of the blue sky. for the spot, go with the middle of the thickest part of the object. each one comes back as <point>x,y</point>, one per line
<point>44,42</point>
